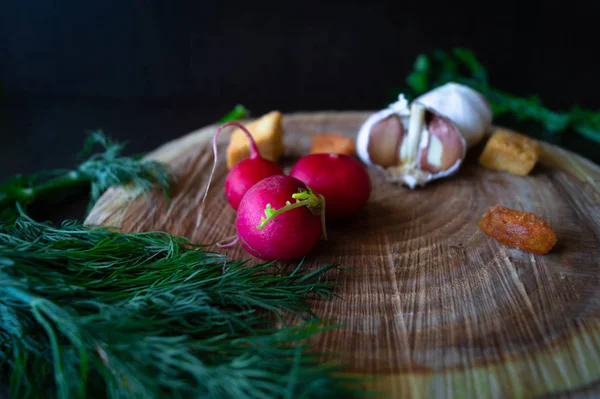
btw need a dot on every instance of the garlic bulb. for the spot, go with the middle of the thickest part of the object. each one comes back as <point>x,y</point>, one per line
<point>427,139</point>
<point>413,144</point>
<point>467,108</point>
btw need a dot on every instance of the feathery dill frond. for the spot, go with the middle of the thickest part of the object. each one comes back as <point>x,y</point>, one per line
<point>93,312</point>
<point>108,168</point>
<point>98,170</point>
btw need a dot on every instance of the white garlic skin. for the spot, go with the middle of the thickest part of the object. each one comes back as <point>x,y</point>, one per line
<point>467,108</point>
<point>414,176</point>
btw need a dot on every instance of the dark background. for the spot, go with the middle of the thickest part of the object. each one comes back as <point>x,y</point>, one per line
<point>149,71</point>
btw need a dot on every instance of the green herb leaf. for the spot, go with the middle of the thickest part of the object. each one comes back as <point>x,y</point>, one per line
<point>89,311</point>
<point>476,70</point>
<point>92,312</point>
<point>108,168</point>
<point>239,112</point>
<point>99,171</point>
<point>462,66</point>
<point>418,79</point>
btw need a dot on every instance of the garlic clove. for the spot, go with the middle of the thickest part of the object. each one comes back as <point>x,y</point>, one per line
<point>465,107</point>
<point>445,146</point>
<point>386,137</point>
<point>398,109</point>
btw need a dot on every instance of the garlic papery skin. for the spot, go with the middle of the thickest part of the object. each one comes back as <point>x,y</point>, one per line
<point>466,108</point>
<point>414,148</point>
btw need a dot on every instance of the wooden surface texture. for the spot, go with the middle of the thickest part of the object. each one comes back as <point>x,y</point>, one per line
<point>432,306</point>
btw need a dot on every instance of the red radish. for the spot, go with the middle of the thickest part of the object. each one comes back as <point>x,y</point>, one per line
<point>245,173</point>
<point>341,179</point>
<point>280,218</point>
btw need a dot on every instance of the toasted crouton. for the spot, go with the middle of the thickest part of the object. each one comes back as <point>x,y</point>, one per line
<point>267,131</point>
<point>510,151</point>
<point>333,143</point>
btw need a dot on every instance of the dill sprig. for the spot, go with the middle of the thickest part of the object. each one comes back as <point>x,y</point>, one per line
<point>93,312</point>
<point>461,65</point>
<point>90,312</point>
<point>98,170</point>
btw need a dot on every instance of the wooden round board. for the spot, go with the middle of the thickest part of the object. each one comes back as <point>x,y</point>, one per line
<point>431,306</point>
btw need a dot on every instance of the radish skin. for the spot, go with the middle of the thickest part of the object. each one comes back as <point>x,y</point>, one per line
<point>287,236</point>
<point>245,173</point>
<point>341,179</point>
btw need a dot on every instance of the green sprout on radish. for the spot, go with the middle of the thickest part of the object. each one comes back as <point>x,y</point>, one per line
<point>308,198</point>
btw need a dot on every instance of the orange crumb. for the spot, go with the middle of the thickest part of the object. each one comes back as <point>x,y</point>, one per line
<point>511,152</point>
<point>518,229</point>
<point>332,143</point>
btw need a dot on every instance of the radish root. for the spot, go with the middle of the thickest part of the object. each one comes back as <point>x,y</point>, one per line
<point>253,149</point>
<point>233,240</point>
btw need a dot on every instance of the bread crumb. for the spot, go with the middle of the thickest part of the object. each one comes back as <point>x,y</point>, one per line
<point>267,131</point>
<point>511,152</point>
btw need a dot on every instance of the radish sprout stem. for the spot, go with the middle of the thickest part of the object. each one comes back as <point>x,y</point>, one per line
<point>304,198</point>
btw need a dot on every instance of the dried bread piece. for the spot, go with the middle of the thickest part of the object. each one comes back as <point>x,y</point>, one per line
<point>518,229</point>
<point>332,143</point>
<point>511,152</point>
<point>267,131</point>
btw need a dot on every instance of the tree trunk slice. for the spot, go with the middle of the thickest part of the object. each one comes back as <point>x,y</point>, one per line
<point>432,306</point>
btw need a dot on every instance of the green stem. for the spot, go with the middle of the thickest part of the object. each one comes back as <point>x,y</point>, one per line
<point>304,198</point>
<point>591,134</point>
<point>277,212</point>
<point>239,112</point>
<point>69,181</point>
